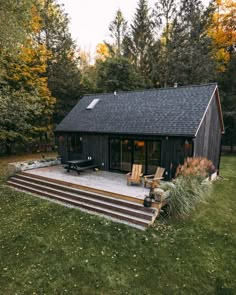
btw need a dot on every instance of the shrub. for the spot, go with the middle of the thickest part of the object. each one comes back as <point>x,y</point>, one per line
<point>196,166</point>
<point>187,194</point>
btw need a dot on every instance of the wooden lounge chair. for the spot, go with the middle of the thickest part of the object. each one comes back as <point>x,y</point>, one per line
<point>154,179</point>
<point>135,175</point>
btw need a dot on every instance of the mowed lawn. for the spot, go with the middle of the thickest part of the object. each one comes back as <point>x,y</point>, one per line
<point>46,248</point>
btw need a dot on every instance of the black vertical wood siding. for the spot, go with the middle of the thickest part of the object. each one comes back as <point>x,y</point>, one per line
<point>94,146</point>
<point>208,139</point>
<point>97,147</point>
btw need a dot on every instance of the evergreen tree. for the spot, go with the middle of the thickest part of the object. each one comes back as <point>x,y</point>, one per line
<point>190,48</point>
<point>165,12</point>
<point>139,42</point>
<point>118,29</point>
<point>64,77</point>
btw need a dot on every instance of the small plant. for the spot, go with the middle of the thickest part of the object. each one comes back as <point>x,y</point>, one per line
<point>30,162</point>
<point>44,160</point>
<point>187,194</point>
<point>196,166</point>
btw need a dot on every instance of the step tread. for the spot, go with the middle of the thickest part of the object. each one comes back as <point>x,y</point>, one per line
<point>123,207</point>
<point>94,207</point>
<point>79,190</point>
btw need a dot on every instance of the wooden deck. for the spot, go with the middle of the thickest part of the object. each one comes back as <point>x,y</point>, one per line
<point>107,183</point>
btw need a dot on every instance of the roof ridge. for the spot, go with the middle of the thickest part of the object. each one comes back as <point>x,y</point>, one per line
<point>150,89</point>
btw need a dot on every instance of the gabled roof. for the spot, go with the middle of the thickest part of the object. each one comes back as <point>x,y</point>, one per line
<point>168,111</point>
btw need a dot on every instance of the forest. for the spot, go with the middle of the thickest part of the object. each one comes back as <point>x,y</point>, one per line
<point>44,72</point>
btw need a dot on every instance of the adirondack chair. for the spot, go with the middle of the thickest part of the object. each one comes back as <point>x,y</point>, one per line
<point>154,179</point>
<point>135,175</point>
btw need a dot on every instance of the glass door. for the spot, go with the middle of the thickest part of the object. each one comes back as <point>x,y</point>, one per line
<point>120,154</point>
<point>126,155</point>
<point>153,156</point>
<point>115,155</point>
<point>139,156</point>
<point>125,152</point>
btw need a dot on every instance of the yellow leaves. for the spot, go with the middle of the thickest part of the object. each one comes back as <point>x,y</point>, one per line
<point>102,51</point>
<point>35,20</point>
<point>223,57</point>
<point>223,30</point>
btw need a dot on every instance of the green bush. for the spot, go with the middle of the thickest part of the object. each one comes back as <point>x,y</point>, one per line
<point>187,194</point>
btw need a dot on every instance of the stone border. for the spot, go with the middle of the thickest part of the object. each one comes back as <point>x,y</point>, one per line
<point>16,167</point>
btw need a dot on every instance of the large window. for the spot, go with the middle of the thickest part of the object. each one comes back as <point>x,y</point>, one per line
<point>125,152</point>
<point>120,154</point>
<point>153,156</point>
<point>75,143</point>
<point>140,153</point>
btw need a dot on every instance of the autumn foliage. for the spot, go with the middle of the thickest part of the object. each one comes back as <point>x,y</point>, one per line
<point>223,31</point>
<point>196,166</point>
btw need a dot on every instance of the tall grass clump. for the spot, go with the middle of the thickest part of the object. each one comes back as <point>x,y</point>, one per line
<point>188,193</point>
<point>190,187</point>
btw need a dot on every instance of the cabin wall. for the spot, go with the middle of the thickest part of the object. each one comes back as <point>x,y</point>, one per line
<point>173,149</point>
<point>94,146</point>
<point>208,139</point>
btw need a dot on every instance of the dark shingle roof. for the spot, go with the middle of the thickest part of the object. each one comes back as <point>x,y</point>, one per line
<point>167,111</point>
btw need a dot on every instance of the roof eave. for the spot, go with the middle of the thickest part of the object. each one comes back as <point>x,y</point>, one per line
<point>128,133</point>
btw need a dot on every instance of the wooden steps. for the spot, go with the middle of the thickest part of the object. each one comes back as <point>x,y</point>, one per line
<point>119,209</point>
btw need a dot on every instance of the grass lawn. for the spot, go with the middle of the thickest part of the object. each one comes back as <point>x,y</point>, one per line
<point>46,248</point>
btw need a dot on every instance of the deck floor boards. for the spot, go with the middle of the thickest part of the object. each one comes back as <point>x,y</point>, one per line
<point>101,180</point>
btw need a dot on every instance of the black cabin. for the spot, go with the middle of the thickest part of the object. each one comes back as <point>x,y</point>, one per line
<point>158,127</point>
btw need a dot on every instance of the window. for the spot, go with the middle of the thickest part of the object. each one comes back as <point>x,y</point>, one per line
<point>92,104</point>
<point>120,154</point>
<point>75,143</point>
<point>125,152</point>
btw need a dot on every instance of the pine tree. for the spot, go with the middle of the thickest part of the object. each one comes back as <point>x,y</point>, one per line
<point>64,77</point>
<point>118,29</point>
<point>139,42</point>
<point>165,12</point>
<point>191,49</point>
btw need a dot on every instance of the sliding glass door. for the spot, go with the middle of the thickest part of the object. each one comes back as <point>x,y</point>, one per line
<point>120,154</point>
<point>153,156</point>
<point>126,152</point>
<point>139,153</point>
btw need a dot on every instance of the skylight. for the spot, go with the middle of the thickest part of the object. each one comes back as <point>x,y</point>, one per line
<point>92,104</point>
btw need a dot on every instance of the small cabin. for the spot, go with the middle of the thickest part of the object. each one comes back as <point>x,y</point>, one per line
<point>157,127</point>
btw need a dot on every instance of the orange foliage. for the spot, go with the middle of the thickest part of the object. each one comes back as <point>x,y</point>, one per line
<point>196,166</point>
<point>223,30</point>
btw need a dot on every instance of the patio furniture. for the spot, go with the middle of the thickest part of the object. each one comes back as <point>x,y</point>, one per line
<point>135,175</point>
<point>154,179</point>
<point>80,165</point>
